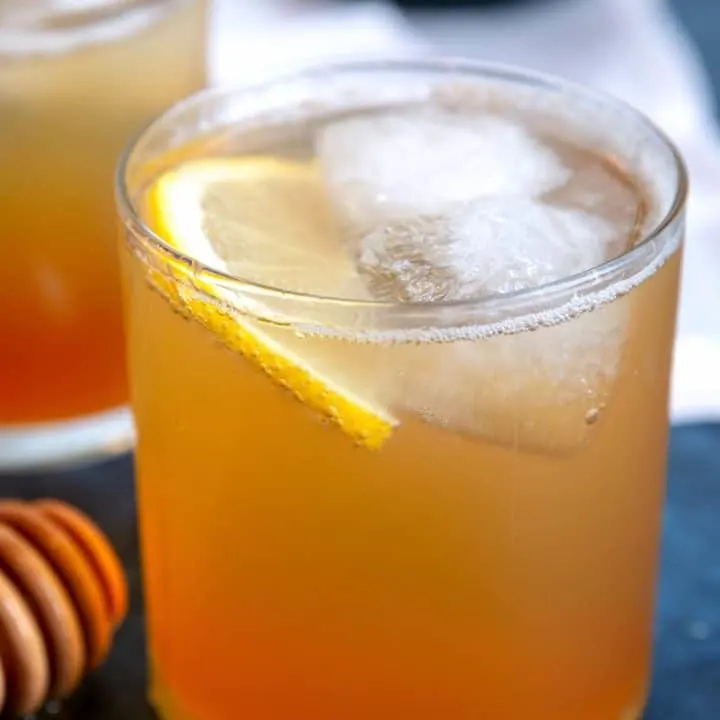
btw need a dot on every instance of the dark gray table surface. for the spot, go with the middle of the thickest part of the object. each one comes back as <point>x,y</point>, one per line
<point>687,657</point>
<point>686,682</point>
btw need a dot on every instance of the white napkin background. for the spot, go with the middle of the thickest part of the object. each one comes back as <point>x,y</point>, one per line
<point>633,49</point>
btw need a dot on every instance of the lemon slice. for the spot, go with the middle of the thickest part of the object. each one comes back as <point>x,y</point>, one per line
<point>268,220</point>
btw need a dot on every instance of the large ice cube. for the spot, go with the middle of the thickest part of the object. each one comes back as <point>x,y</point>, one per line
<point>494,245</point>
<point>445,207</point>
<point>544,390</point>
<point>598,189</point>
<point>380,167</point>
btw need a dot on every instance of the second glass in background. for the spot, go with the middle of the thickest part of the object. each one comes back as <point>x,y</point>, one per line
<point>76,80</point>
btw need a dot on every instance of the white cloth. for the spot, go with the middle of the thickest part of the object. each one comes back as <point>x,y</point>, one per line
<point>255,39</point>
<point>633,49</point>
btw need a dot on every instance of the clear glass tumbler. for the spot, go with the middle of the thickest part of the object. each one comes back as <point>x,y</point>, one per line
<point>365,507</point>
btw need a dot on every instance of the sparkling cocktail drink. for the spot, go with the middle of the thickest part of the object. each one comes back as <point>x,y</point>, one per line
<point>401,444</point>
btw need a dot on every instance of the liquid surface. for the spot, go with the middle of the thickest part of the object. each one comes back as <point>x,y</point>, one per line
<point>432,204</point>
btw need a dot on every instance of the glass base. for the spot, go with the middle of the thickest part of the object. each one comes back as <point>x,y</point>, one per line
<point>66,443</point>
<point>163,703</point>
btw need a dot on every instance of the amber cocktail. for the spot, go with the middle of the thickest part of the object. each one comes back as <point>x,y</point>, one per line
<point>76,80</point>
<point>400,342</point>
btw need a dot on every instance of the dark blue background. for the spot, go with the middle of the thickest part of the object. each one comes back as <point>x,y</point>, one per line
<point>687,665</point>
<point>686,683</point>
<point>702,20</point>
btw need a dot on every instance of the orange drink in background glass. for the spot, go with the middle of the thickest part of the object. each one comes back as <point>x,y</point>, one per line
<point>400,342</point>
<point>76,80</point>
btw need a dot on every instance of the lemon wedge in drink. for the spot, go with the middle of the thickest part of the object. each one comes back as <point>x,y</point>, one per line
<point>268,220</point>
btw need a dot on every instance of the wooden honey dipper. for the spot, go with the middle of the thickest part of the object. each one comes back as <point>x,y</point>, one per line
<point>63,592</point>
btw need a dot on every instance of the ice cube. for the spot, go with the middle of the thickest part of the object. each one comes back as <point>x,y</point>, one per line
<point>381,167</point>
<point>540,391</point>
<point>600,189</point>
<point>492,245</point>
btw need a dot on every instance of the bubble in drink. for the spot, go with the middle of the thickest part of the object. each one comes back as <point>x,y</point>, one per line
<point>381,167</point>
<point>487,246</point>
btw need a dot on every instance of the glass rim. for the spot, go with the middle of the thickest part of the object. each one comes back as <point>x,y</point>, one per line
<point>35,34</point>
<point>577,282</point>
